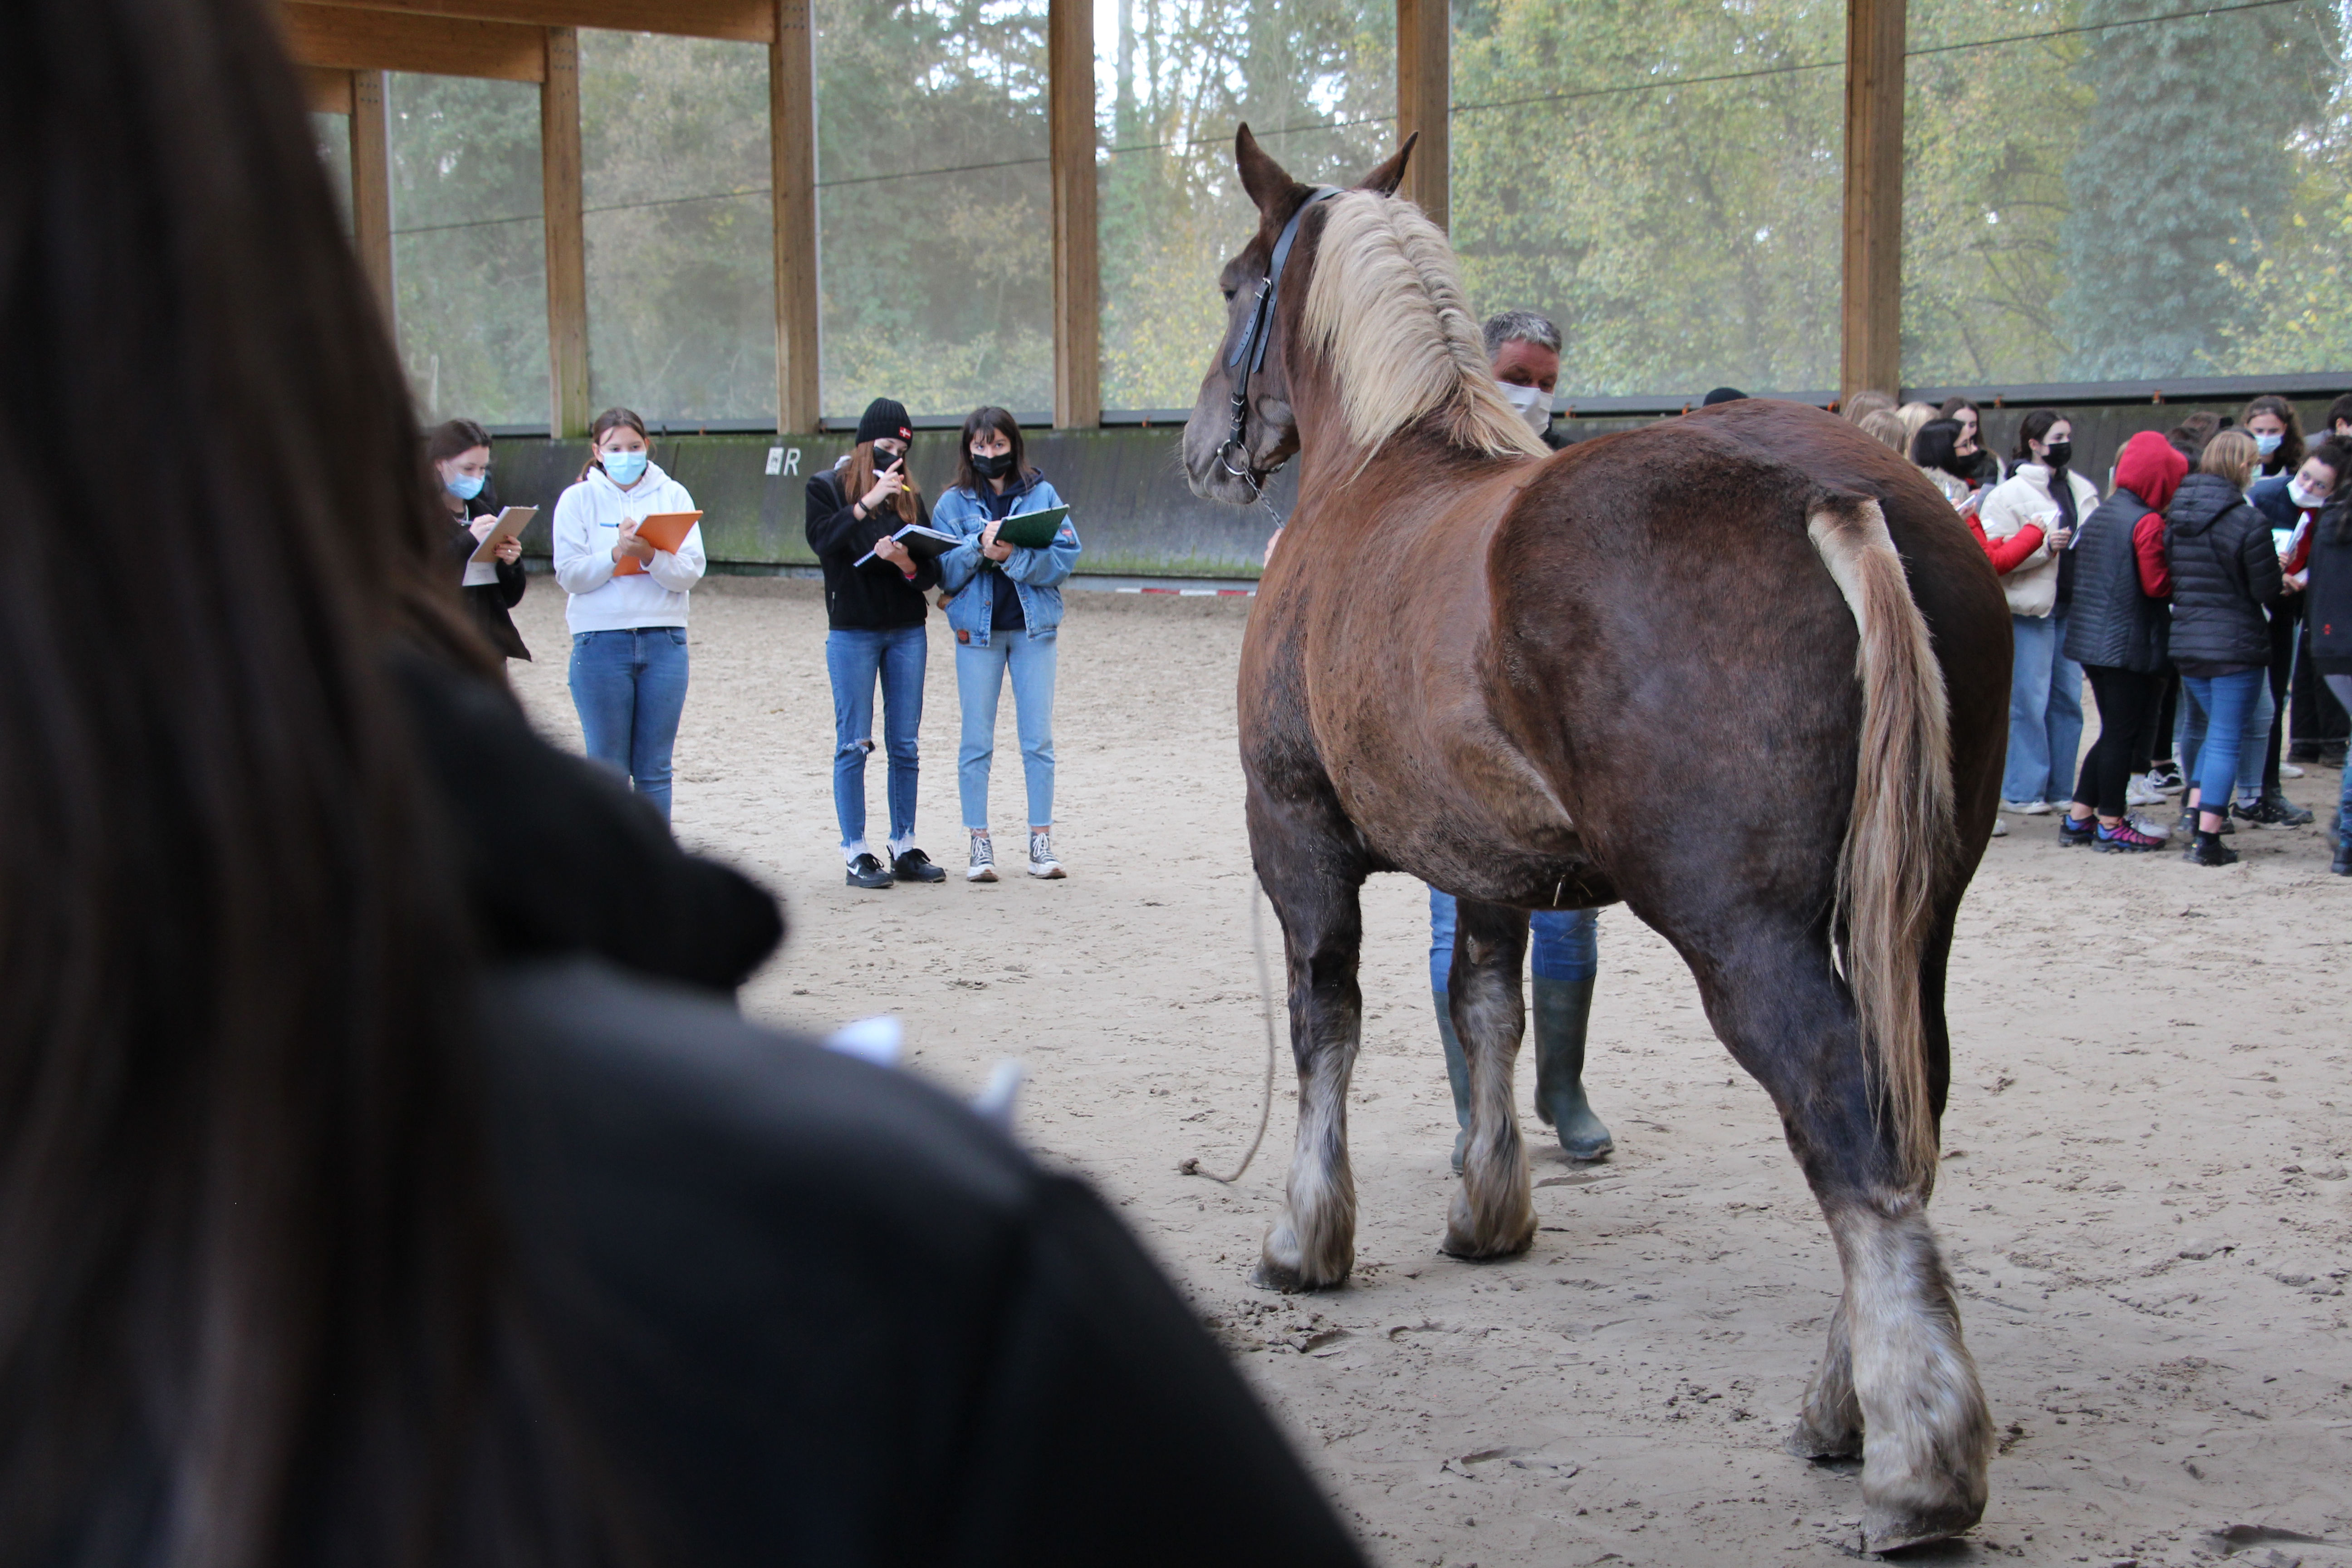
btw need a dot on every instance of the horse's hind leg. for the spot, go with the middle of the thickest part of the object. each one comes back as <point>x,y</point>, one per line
<point>1897,1384</point>
<point>1314,883</point>
<point>1493,1213</point>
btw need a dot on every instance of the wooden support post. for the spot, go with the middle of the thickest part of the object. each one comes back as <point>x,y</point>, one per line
<point>371,185</point>
<point>1872,349</point>
<point>566,238</point>
<point>1077,262</point>
<point>791,149</point>
<point>1425,72</point>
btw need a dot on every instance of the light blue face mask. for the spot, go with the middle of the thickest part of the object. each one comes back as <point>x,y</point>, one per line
<point>625,468</point>
<point>2266,444</point>
<point>466,487</point>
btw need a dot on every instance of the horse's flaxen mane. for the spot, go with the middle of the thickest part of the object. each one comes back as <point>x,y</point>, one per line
<point>1386,306</point>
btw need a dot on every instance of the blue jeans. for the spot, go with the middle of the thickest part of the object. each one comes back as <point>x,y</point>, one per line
<point>1562,942</point>
<point>629,688</point>
<point>2342,686</point>
<point>2045,711</point>
<point>2226,700</point>
<point>854,660</point>
<point>2253,739</point>
<point>980,681</point>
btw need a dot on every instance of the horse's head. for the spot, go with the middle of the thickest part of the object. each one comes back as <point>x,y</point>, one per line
<point>1229,451</point>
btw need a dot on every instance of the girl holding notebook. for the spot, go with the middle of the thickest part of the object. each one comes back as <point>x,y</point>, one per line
<point>1005,609</point>
<point>628,610</point>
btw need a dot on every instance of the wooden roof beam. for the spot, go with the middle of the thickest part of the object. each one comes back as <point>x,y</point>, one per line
<point>328,91</point>
<point>739,21</point>
<point>346,38</point>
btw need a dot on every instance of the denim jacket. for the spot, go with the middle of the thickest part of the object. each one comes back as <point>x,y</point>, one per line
<point>1036,575</point>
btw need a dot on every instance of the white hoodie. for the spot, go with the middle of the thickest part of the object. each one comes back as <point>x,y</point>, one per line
<point>588,524</point>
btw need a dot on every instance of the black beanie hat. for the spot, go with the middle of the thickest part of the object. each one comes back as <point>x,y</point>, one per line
<point>1723,394</point>
<point>884,418</point>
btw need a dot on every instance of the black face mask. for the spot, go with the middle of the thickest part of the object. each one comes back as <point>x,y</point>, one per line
<point>2058,454</point>
<point>993,467</point>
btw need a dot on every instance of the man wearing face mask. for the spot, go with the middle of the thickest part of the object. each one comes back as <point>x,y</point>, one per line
<point>1523,351</point>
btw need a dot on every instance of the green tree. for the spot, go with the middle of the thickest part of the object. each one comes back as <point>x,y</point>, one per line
<point>1663,181</point>
<point>468,251</point>
<point>2184,167</point>
<point>1315,79</point>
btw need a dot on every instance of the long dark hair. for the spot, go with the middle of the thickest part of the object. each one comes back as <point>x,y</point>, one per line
<point>859,477</point>
<point>253,1293</point>
<point>2289,456</point>
<point>1937,447</point>
<point>2034,427</point>
<point>989,418</point>
<point>453,438</point>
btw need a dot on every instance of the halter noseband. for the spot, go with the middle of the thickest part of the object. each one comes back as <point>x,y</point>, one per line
<point>1250,353</point>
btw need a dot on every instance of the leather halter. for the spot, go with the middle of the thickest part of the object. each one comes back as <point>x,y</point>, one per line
<point>1250,352</point>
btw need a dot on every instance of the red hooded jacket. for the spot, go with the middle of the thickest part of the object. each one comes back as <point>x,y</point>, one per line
<point>2151,467</point>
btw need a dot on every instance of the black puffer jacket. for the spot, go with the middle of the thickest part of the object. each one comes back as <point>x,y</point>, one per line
<point>2111,621</point>
<point>2224,571</point>
<point>2328,601</point>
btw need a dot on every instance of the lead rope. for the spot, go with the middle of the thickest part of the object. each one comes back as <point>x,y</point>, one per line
<point>1192,1167</point>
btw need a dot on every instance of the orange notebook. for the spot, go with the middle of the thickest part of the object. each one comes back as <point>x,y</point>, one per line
<point>663,531</point>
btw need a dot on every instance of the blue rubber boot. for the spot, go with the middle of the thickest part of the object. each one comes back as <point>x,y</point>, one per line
<point>1457,1073</point>
<point>1563,1008</point>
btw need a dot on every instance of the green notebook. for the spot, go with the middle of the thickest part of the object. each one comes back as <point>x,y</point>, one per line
<point>1033,529</point>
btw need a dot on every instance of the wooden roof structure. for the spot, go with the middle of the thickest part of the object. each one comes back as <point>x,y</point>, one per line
<point>347,47</point>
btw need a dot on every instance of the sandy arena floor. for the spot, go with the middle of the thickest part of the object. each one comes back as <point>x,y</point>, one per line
<point>2144,1196</point>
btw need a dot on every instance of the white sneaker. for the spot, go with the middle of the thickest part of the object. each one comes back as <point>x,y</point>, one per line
<point>983,860</point>
<point>2137,791</point>
<point>1999,826</point>
<point>2027,807</point>
<point>2289,770</point>
<point>1042,863</point>
<point>2148,825</point>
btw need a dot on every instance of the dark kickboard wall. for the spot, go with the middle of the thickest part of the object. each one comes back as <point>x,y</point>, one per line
<point>1126,489</point>
<point>1135,515</point>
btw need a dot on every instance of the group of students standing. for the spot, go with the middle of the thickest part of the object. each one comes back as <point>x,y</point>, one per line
<point>627,605</point>
<point>2211,582</point>
<point>1003,604</point>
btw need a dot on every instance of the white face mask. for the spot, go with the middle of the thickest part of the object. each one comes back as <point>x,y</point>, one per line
<point>1533,402</point>
<point>2301,497</point>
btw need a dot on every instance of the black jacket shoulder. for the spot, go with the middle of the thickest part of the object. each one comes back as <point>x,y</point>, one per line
<point>488,603</point>
<point>821,1313</point>
<point>875,596</point>
<point>559,858</point>
<point>2327,595</point>
<point>2224,572</point>
<point>2110,622</point>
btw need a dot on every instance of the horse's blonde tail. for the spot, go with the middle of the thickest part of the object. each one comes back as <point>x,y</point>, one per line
<point>1901,817</point>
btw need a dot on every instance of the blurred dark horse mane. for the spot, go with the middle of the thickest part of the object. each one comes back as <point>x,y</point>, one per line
<point>1745,671</point>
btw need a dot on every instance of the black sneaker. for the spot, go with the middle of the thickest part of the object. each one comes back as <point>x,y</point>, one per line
<point>915,866</point>
<point>2207,850</point>
<point>866,871</point>
<point>2072,832</point>
<point>2271,811</point>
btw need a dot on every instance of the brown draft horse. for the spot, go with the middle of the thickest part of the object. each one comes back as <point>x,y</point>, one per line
<point>1744,670</point>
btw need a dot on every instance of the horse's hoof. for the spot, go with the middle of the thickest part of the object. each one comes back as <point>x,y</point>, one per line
<point>1819,1439</point>
<point>1282,1264</point>
<point>1273,1277</point>
<point>1808,1441</point>
<point>1465,1239</point>
<point>1893,1529</point>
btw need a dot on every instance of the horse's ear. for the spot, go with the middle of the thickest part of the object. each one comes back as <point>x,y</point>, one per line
<point>1269,185</point>
<point>1385,179</point>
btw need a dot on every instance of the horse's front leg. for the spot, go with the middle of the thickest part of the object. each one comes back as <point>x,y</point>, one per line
<point>1493,1213</point>
<point>1314,886</point>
